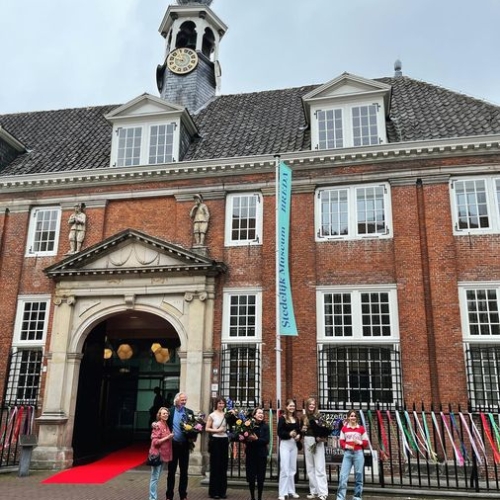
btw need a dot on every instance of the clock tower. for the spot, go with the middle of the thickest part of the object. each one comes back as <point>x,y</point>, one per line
<point>190,73</point>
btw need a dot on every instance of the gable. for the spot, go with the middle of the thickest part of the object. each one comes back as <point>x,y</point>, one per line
<point>130,252</point>
<point>145,105</point>
<point>347,85</point>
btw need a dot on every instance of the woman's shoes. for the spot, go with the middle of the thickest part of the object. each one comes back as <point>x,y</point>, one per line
<point>293,495</point>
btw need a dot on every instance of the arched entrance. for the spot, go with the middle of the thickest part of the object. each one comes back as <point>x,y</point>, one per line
<point>123,294</point>
<point>125,357</point>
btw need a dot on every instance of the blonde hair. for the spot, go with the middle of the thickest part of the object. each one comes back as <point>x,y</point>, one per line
<point>158,413</point>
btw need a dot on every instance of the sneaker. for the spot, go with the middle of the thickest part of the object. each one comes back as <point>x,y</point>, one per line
<point>323,497</point>
<point>293,495</point>
<point>281,498</point>
<point>311,495</point>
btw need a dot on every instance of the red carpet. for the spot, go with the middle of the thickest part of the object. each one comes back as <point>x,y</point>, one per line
<point>104,469</point>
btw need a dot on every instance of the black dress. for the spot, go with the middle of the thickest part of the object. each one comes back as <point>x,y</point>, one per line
<point>256,460</point>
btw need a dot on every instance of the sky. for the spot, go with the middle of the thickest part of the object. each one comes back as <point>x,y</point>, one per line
<point>58,54</point>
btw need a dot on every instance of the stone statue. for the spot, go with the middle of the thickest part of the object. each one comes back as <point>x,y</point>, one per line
<point>78,226</point>
<point>200,215</point>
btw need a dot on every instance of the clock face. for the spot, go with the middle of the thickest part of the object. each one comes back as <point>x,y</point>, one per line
<point>182,61</point>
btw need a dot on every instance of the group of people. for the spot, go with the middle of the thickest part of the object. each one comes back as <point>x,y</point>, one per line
<point>295,432</point>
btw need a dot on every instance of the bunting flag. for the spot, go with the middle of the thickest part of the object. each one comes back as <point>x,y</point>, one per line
<point>458,456</point>
<point>384,442</point>
<point>477,434</point>
<point>487,431</point>
<point>471,438</point>
<point>424,437</point>
<point>438,432</point>
<point>287,324</point>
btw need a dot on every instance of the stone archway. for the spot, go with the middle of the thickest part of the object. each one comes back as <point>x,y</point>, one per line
<point>104,283</point>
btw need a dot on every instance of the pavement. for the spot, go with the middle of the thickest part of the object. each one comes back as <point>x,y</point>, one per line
<point>134,485</point>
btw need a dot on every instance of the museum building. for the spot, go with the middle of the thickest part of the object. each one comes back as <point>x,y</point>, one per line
<point>138,248</point>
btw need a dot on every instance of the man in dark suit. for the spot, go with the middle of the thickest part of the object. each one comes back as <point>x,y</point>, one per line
<point>180,447</point>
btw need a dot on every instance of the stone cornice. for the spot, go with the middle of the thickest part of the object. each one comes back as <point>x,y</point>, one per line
<point>394,152</point>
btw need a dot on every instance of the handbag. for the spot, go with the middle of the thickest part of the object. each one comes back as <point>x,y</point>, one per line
<point>154,459</point>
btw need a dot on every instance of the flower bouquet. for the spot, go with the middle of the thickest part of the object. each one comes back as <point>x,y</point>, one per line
<point>240,425</point>
<point>191,426</point>
<point>321,427</point>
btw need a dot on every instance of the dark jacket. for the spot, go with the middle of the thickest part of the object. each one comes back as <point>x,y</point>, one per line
<point>258,448</point>
<point>170,420</point>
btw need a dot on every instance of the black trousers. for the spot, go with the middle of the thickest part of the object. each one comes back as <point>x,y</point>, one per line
<point>180,457</point>
<point>255,472</point>
<point>219,459</point>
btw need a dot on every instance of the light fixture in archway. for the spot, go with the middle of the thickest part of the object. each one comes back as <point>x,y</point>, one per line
<point>124,352</point>
<point>108,349</point>
<point>155,347</point>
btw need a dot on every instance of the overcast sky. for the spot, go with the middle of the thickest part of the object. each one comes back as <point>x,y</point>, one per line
<point>65,53</point>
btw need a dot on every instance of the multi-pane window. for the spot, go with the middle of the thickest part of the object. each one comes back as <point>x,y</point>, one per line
<point>364,125</point>
<point>240,373</point>
<point>359,314</point>
<point>146,144</point>
<point>330,129</point>
<point>348,125</point>
<point>25,369</point>
<point>43,232</point>
<point>353,212</point>
<point>358,350</point>
<point>480,305</point>
<point>241,337</point>
<point>482,313</point>
<point>129,146</point>
<point>356,375</point>
<point>476,204</point>
<point>483,375</point>
<point>161,144</point>
<point>242,316</point>
<point>244,219</point>
<point>31,320</point>
<point>25,366</point>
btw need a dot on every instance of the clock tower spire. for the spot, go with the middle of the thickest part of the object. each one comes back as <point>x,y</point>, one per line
<point>190,74</point>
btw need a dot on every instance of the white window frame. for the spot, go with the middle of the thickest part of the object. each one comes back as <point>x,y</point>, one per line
<point>357,326</point>
<point>230,200</point>
<point>346,110</point>
<point>463,288</point>
<point>352,214</point>
<point>32,231</point>
<point>22,302</point>
<point>235,292</point>
<point>491,202</point>
<point>146,129</point>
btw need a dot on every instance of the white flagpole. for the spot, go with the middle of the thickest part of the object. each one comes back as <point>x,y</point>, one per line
<point>278,323</point>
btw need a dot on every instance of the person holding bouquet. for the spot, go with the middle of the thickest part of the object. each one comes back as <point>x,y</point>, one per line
<point>256,454</point>
<point>289,434</point>
<point>180,446</point>
<point>218,449</point>
<point>314,451</point>
<point>161,441</point>
<point>353,440</point>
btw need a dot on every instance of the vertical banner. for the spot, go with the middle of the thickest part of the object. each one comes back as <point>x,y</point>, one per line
<point>287,324</point>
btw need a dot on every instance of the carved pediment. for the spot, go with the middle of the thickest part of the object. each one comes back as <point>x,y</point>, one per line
<point>133,252</point>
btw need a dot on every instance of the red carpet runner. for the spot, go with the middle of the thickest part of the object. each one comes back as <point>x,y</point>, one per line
<point>104,469</point>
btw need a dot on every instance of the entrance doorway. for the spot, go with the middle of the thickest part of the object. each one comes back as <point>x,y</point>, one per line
<point>124,358</point>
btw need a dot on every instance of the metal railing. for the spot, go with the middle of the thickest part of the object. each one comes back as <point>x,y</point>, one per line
<point>18,404</point>
<point>439,448</point>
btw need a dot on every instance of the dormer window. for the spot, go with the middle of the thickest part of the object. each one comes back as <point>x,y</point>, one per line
<point>150,131</point>
<point>132,141</point>
<point>347,112</point>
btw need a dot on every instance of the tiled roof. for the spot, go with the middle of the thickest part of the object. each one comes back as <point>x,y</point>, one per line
<point>236,125</point>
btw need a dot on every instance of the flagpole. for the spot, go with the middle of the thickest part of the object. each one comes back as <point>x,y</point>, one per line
<point>278,337</point>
